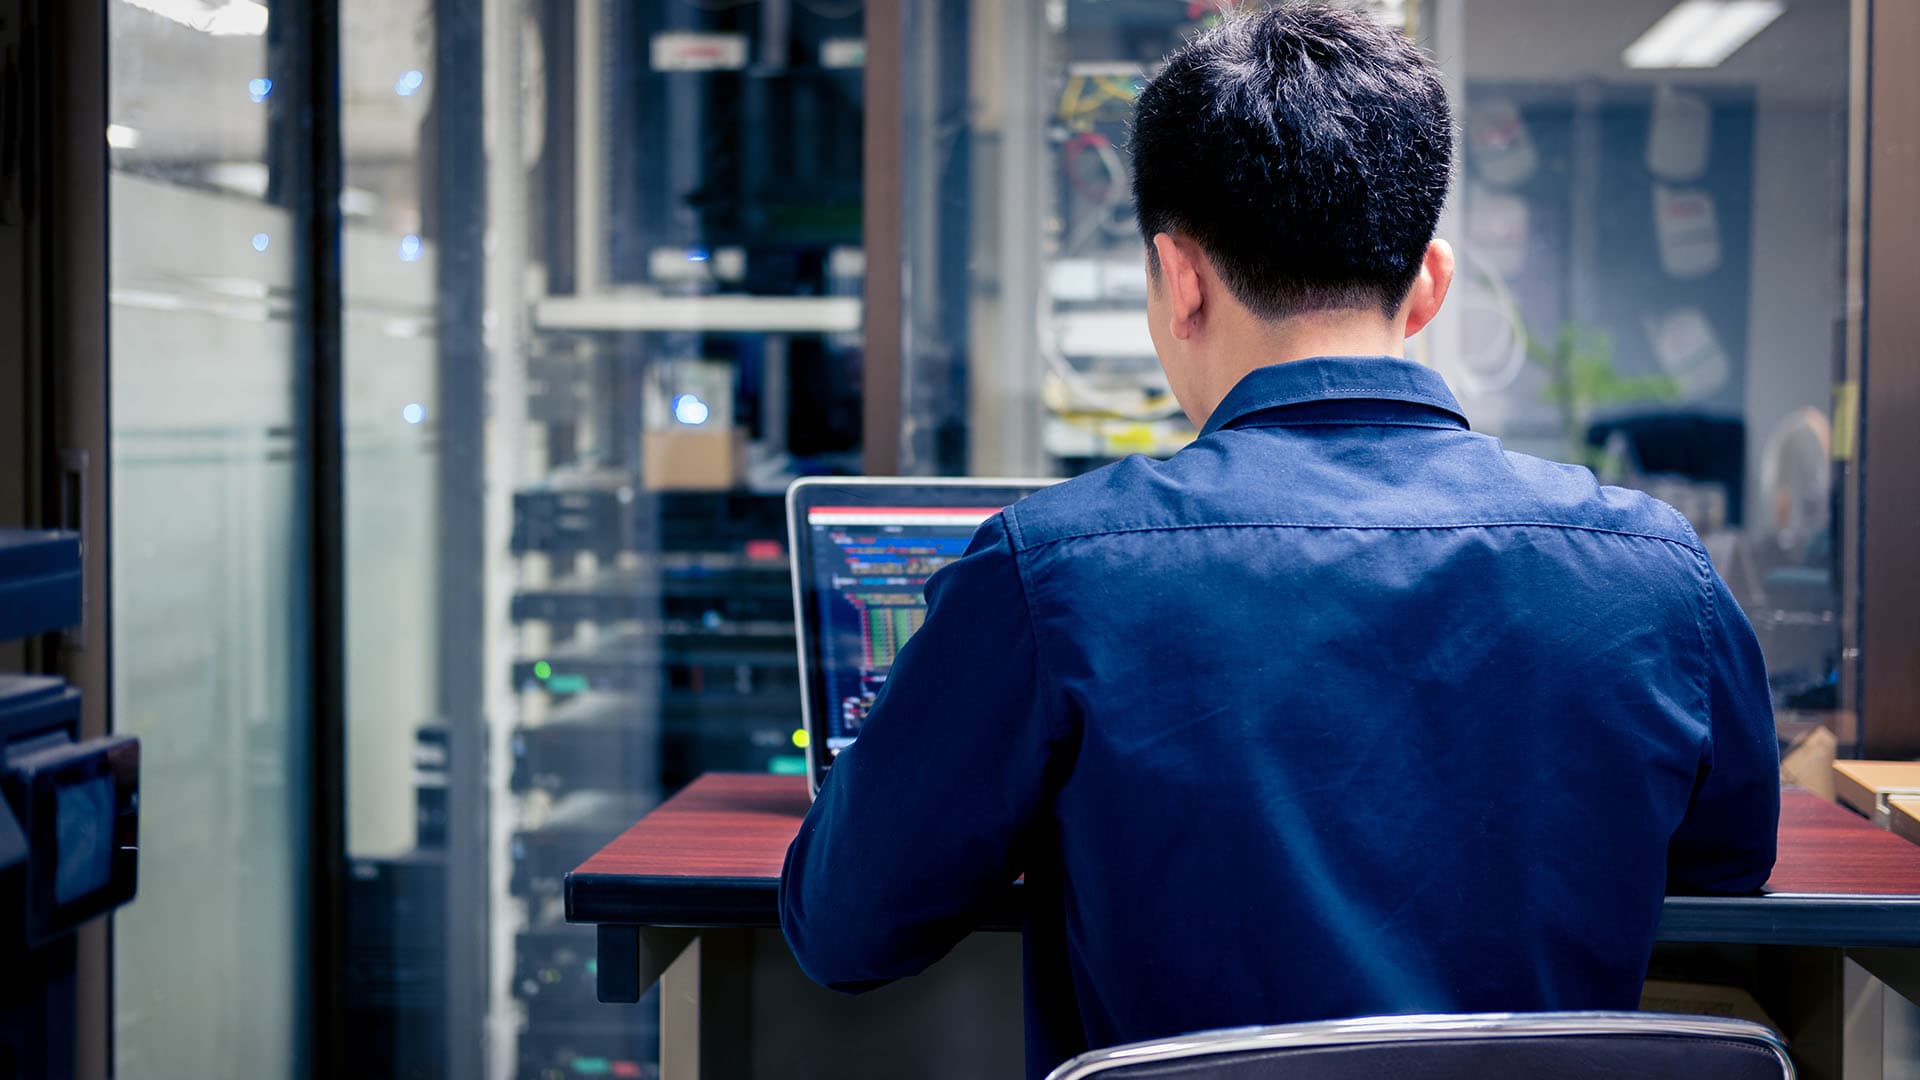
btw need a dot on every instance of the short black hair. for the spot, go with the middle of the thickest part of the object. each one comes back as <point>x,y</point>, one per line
<point>1307,149</point>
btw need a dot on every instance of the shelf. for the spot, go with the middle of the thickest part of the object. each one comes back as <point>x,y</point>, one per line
<point>716,314</point>
<point>577,825</point>
<point>751,659</point>
<point>607,514</point>
<point>748,593</point>
<point>1104,333</point>
<point>580,714</point>
<point>602,742</point>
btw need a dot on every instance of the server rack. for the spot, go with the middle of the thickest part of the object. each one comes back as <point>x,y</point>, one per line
<point>657,644</point>
<point>706,172</point>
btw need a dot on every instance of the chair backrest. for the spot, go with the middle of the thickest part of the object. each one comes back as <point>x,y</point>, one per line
<point>1511,1046</point>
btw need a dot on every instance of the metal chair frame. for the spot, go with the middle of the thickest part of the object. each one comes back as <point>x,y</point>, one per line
<point>1423,1028</point>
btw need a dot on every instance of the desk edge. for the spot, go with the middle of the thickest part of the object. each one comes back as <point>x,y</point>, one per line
<point>1845,921</point>
<point>1832,920</point>
<point>690,901</point>
<point>705,902</point>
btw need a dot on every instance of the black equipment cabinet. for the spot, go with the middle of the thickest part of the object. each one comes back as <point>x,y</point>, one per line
<point>69,816</point>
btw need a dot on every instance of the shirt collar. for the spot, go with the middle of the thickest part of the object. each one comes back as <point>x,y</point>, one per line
<point>1335,378</point>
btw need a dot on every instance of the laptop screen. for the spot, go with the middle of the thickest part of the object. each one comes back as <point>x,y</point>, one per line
<point>870,570</point>
<point>863,549</point>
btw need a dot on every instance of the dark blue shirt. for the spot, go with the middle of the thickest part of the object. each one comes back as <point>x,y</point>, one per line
<point>1341,710</point>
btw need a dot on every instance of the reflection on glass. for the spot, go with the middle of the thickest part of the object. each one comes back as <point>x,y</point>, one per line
<point>1653,282</point>
<point>1650,235</point>
<point>603,277</point>
<point>393,410</point>
<point>209,624</point>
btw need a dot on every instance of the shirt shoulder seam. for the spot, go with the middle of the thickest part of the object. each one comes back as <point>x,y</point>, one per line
<point>1706,615</point>
<point>1085,534</point>
<point>1010,519</point>
<point>1009,522</point>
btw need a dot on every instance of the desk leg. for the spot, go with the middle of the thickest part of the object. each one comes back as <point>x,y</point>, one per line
<point>1832,1011</point>
<point>630,959</point>
<point>703,1009</point>
<point>1816,1010</point>
<point>1898,968</point>
<point>680,1016</point>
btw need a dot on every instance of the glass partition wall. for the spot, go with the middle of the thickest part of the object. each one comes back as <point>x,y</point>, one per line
<point>602,281</point>
<point>607,306</point>
<point>601,286</point>
<point>208,556</point>
<point>599,296</point>
<point>1653,228</point>
<point>1651,219</point>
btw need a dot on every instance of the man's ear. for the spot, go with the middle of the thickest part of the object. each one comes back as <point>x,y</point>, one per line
<point>1180,275</point>
<point>1430,288</point>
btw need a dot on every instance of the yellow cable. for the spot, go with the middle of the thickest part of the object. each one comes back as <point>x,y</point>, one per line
<point>1070,98</point>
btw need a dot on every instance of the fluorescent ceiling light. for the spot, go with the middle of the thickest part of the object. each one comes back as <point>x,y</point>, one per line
<point>221,18</point>
<point>122,137</point>
<point>240,177</point>
<point>1701,33</point>
<point>358,202</point>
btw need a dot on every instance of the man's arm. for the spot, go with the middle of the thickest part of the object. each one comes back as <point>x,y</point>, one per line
<point>921,822</point>
<point>1726,842</point>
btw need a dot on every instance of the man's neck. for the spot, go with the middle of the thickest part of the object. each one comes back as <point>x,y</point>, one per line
<point>1251,343</point>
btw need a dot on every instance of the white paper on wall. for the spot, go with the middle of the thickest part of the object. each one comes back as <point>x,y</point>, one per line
<point>685,50</point>
<point>1502,149</point>
<point>1497,229</point>
<point>1678,136</point>
<point>1688,350</point>
<point>1688,230</point>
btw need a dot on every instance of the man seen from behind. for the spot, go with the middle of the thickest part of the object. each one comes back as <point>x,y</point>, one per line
<point>1341,710</point>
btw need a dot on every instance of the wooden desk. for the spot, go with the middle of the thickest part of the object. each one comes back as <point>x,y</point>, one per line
<point>710,859</point>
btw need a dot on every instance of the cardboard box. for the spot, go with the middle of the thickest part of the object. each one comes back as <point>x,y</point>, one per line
<point>689,459</point>
<point>1701,999</point>
<point>1865,785</point>
<point>1809,763</point>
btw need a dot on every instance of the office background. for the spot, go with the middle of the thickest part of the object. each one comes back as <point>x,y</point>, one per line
<point>459,352</point>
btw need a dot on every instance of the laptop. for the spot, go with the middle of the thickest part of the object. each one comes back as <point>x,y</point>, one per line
<point>863,549</point>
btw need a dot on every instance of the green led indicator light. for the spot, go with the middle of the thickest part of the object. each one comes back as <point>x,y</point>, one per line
<point>542,669</point>
<point>592,1066</point>
<point>787,765</point>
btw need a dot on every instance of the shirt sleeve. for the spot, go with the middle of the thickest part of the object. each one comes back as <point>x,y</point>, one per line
<point>1726,842</point>
<point>920,825</point>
